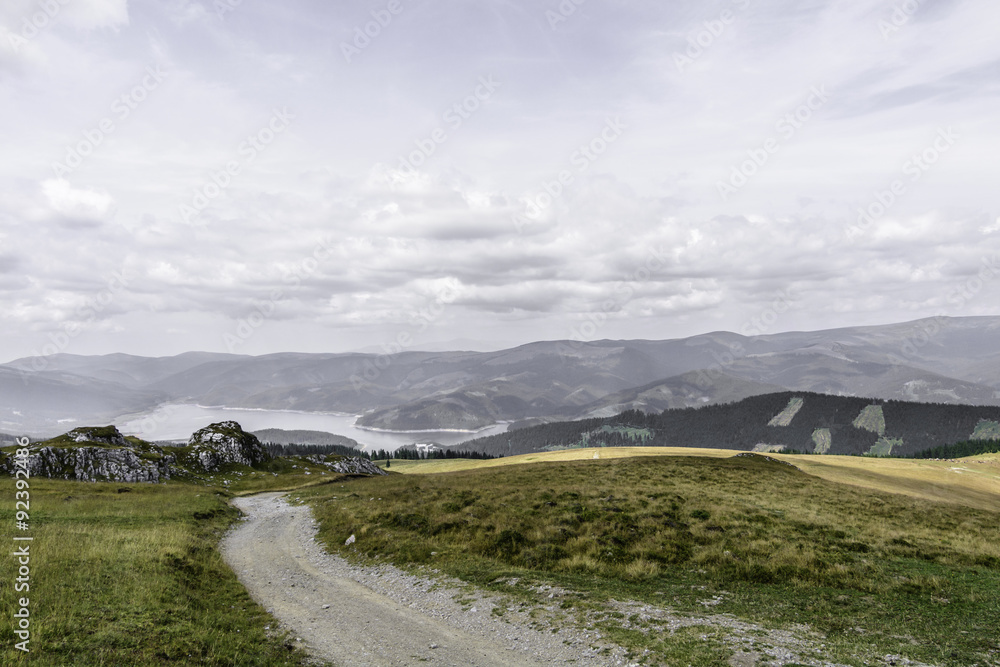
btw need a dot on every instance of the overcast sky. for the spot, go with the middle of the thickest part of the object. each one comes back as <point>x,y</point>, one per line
<point>257,176</point>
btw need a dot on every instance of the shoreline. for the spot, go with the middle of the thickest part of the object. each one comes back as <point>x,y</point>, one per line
<point>166,408</point>
<point>433,430</point>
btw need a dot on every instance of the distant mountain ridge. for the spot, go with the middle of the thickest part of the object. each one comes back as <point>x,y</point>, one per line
<point>936,360</point>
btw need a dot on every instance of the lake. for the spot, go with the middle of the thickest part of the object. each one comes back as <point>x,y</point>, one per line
<point>179,421</point>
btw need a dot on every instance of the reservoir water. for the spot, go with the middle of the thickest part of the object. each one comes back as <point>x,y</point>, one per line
<point>179,421</point>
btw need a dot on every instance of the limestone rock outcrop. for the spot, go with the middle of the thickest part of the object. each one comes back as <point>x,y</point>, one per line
<point>225,443</point>
<point>96,454</point>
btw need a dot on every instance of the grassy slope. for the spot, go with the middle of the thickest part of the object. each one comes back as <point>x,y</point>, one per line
<point>877,572</point>
<point>965,482</point>
<point>454,465</point>
<point>969,482</point>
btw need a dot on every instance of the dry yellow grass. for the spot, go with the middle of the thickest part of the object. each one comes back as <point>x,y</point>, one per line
<point>989,458</point>
<point>969,482</point>
<point>454,465</point>
<point>973,482</point>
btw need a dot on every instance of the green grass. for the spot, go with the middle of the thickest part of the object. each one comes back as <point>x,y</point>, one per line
<point>883,447</point>
<point>133,578</point>
<point>823,439</point>
<point>871,419</point>
<point>785,417</point>
<point>639,435</point>
<point>278,474</point>
<point>630,432</point>
<point>877,573</point>
<point>128,574</point>
<point>986,430</point>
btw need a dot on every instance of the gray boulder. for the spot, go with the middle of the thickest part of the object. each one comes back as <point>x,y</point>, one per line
<point>225,443</point>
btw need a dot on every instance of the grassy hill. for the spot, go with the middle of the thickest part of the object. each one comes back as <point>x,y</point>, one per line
<point>875,573</point>
<point>972,482</point>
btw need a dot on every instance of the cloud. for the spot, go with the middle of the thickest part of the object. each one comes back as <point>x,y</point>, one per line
<point>325,224</point>
<point>95,14</point>
<point>77,207</point>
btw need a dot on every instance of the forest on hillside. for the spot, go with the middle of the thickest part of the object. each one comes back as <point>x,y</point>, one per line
<point>904,428</point>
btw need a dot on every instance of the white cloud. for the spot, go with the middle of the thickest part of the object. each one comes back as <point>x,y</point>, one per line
<point>79,204</point>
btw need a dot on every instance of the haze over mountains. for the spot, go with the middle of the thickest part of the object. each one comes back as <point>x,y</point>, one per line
<point>946,360</point>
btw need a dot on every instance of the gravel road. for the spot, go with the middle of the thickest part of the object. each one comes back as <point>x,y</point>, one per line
<point>351,615</point>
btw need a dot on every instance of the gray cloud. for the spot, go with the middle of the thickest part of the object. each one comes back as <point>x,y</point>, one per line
<point>319,225</point>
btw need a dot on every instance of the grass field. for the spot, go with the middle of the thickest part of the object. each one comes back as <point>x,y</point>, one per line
<point>878,573</point>
<point>974,482</point>
<point>128,574</point>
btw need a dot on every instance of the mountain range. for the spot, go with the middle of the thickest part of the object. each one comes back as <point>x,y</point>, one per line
<point>939,360</point>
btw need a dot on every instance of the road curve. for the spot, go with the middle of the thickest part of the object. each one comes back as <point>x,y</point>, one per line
<point>319,599</point>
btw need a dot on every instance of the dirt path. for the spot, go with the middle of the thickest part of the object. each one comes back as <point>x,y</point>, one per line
<point>377,616</point>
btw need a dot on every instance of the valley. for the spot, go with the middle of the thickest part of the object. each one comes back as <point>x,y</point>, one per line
<point>941,360</point>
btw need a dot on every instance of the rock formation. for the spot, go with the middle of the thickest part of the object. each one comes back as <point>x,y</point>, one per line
<point>96,455</point>
<point>102,454</point>
<point>225,443</point>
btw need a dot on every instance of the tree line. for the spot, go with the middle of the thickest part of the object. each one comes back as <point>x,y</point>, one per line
<point>277,450</point>
<point>407,454</point>
<point>959,450</point>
